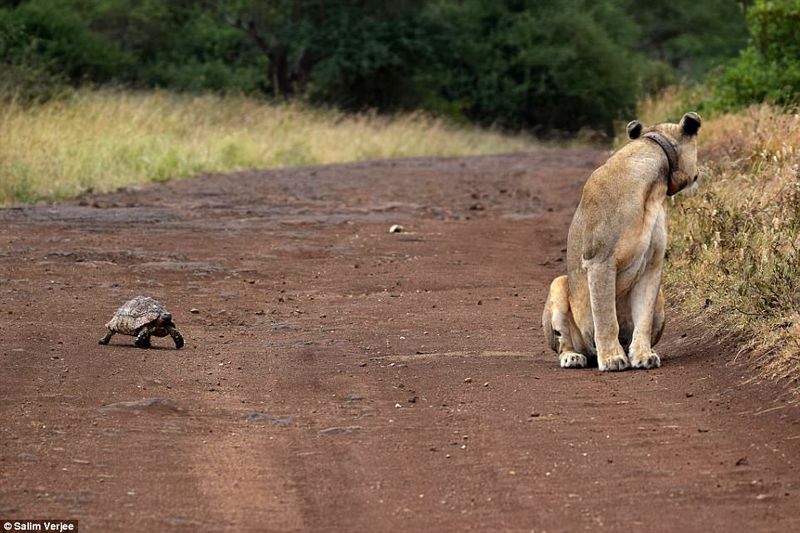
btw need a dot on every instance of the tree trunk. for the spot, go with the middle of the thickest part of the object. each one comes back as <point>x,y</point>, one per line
<point>279,72</point>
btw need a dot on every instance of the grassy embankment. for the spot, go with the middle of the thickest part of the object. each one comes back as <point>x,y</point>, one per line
<point>735,242</point>
<point>102,140</point>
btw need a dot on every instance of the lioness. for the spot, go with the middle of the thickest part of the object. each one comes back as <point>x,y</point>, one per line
<point>610,304</point>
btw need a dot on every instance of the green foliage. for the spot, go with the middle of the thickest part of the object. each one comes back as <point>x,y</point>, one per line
<point>368,58</point>
<point>53,36</point>
<point>44,45</point>
<point>538,65</point>
<point>690,36</point>
<point>769,69</point>
<point>179,44</point>
<point>543,65</point>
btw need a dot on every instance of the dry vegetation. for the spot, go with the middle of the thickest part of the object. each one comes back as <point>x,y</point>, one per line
<point>735,241</point>
<point>102,140</point>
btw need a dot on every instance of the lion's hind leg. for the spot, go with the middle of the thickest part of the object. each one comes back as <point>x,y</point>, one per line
<point>559,326</point>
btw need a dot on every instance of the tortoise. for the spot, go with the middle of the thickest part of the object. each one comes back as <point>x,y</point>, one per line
<point>143,317</point>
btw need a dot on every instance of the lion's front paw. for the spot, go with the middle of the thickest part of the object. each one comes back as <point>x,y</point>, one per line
<point>613,363</point>
<point>572,360</point>
<point>646,360</point>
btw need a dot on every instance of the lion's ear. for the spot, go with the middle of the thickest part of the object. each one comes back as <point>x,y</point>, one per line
<point>634,129</point>
<point>690,123</point>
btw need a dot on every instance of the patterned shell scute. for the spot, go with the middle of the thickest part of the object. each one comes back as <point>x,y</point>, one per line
<point>135,314</point>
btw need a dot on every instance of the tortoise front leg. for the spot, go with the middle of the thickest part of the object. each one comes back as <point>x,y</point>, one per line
<point>143,337</point>
<point>106,337</point>
<point>175,337</point>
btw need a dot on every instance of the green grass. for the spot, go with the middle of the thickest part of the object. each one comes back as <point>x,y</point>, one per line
<point>106,139</point>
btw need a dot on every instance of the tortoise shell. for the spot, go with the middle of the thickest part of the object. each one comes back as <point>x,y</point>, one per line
<point>134,314</point>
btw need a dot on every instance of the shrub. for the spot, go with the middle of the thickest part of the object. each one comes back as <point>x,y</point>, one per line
<point>538,65</point>
<point>735,246</point>
<point>769,69</point>
<point>53,38</point>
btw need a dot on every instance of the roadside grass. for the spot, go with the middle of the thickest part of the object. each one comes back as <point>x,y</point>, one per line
<point>101,140</point>
<point>735,242</point>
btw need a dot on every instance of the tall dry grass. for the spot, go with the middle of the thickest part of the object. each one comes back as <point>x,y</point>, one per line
<point>733,259</point>
<point>102,140</point>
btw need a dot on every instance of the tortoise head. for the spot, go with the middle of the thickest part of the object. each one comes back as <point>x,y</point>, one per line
<point>164,319</point>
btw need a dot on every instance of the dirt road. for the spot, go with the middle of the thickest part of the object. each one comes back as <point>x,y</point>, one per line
<point>338,377</point>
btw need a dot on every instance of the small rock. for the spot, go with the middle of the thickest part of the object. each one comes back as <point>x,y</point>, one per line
<point>258,417</point>
<point>149,405</point>
<point>28,458</point>
<point>398,406</point>
<point>354,397</point>
<point>194,310</point>
<point>396,228</point>
<point>337,430</point>
<point>689,394</point>
<point>8,509</point>
<point>742,462</point>
<point>467,380</point>
<point>486,384</point>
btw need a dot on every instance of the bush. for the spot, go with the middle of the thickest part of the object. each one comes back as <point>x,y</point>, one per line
<point>735,246</point>
<point>769,69</point>
<point>536,65</point>
<point>24,76</point>
<point>363,58</point>
<point>180,45</point>
<point>52,38</point>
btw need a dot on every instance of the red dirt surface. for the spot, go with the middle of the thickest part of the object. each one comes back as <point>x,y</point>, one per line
<point>338,377</point>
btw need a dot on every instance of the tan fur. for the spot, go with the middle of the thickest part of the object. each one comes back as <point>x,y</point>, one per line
<point>610,304</point>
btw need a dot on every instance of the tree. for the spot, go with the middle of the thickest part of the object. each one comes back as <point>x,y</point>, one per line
<point>542,65</point>
<point>769,68</point>
<point>538,65</point>
<point>691,37</point>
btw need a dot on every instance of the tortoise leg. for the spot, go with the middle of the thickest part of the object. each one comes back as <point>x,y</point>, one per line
<point>143,337</point>
<point>175,337</point>
<point>106,337</point>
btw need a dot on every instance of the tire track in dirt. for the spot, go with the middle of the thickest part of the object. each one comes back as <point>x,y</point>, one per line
<point>397,380</point>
